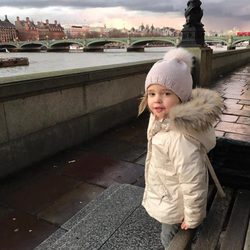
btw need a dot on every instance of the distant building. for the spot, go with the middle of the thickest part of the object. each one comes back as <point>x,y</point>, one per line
<point>28,30</point>
<point>76,31</point>
<point>7,31</point>
<point>50,31</point>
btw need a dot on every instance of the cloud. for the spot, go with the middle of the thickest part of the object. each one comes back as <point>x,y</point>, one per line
<point>159,6</point>
<point>239,8</point>
<point>225,12</point>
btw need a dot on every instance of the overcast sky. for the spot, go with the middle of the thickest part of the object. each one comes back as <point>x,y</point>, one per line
<point>218,14</point>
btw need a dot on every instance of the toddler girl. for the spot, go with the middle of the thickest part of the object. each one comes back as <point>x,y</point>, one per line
<point>180,134</point>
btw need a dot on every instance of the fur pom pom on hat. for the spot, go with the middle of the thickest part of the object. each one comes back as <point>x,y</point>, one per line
<point>173,72</point>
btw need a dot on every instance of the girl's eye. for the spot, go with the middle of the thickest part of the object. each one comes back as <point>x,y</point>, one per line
<point>168,93</point>
<point>151,94</point>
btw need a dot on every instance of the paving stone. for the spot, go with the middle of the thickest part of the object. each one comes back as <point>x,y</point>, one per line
<point>229,118</point>
<point>74,220</point>
<point>134,136</point>
<point>244,120</point>
<point>142,160</point>
<point>246,95</point>
<point>234,90</point>
<point>238,137</point>
<point>98,225</point>
<point>219,88</point>
<point>233,128</point>
<point>21,231</point>
<point>66,206</point>
<point>38,171</point>
<point>247,102</point>
<point>246,107</point>
<point>240,84</point>
<point>241,112</point>
<point>140,182</point>
<point>91,206</point>
<point>231,101</point>
<point>139,232</point>
<point>233,96</point>
<point>104,171</point>
<point>38,193</point>
<point>215,123</point>
<point>141,140</point>
<point>234,106</point>
<point>219,133</point>
<point>130,131</point>
<point>46,245</point>
<point>119,150</point>
<point>5,211</point>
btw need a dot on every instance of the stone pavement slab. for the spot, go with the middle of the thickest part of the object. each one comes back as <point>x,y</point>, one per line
<point>133,133</point>
<point>68,225</point>
<point>244,120</point>
<point>237,137</point>
<point>234,128</point>
<point>21,231</point>
<point>119,150</point>
<point>238,112</point>
<point>38,193</point>
<point>101,220</point>
<point>247,102</point>
<point>74,220</point>
<point>229,118</point>
<point>139,232</point>
<point>69,204</point>
<point>103,171</point>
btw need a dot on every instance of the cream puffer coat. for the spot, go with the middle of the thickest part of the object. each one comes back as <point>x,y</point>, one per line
<point>176,178</point>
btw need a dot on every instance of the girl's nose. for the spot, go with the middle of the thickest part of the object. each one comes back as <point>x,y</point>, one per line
<point>158,99</point>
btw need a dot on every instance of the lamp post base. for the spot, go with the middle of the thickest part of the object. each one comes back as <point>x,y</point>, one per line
<point>192,37</point>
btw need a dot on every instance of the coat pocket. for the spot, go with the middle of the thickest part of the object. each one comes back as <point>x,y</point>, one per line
<point>165,195</point>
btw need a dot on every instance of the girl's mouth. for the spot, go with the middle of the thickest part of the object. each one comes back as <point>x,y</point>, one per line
<point>158,110</point>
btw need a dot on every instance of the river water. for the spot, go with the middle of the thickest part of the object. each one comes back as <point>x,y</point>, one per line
<point>56,61</point>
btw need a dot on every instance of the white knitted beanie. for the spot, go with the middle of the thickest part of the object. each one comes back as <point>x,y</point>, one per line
<point>173,72</point>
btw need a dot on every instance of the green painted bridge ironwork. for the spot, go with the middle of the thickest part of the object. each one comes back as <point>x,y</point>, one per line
<point>127,42</point>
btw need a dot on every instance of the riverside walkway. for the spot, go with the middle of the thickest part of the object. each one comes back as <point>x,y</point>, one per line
<point>36,203</point>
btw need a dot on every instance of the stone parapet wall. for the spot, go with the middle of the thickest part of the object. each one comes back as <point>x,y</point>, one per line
<point>224,62</point>
<point>46,113</point>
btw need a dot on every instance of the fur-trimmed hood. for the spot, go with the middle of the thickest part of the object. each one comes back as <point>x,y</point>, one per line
<point>198,114</point>
<point>196,117</point>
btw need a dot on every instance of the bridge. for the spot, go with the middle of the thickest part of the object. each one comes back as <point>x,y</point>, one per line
<point>97,44</point>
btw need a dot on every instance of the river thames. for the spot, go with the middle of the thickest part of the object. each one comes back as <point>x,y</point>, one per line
<point>57,61</point>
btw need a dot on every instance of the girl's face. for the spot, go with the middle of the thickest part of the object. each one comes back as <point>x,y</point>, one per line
<point>161,100</point>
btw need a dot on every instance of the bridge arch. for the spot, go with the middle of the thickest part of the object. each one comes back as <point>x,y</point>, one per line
<point>246,39</point>
<point>143,42</point>
<point>216,41</point>
<point>32,45</point>
<point>65,43</point>
<point>8,46</point>
<point>102,42</point>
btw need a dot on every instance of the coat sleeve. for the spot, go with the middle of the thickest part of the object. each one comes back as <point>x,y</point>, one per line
<point>189,164</point>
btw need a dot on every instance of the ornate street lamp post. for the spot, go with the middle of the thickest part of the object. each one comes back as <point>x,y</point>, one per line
<point>193,32</point>
<point>193,38</point>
